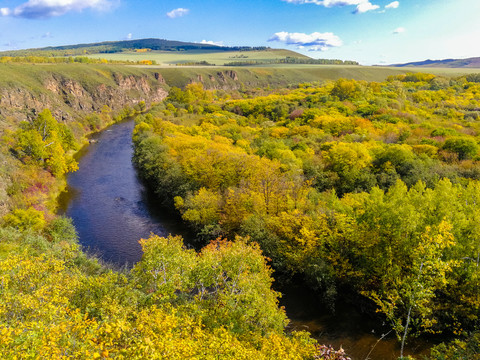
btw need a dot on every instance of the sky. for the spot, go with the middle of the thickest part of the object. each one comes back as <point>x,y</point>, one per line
<point>368,31</point>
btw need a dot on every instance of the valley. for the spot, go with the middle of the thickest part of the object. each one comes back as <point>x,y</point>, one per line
<point>343,181</point>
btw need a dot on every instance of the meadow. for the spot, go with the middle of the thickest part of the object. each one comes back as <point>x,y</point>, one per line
<point>210,56</point>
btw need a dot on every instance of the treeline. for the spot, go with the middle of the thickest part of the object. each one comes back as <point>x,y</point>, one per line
<point>292,60</point>
<point>69,60</point>
<point>367,187</point>
<point>195,63</point>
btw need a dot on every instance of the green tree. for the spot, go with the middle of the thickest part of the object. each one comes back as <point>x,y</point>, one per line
<point>407,295</point>
<point>45,142</point>
<point>465,148</point>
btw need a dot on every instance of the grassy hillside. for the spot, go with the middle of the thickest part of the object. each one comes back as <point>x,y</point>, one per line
<point>275,76</point>
<point>33,77</point>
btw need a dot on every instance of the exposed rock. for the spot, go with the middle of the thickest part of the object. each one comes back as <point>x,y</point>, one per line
<point>159,78</point>
<point>232,74</point>
<point>221,76</point>
<point>68,99</point>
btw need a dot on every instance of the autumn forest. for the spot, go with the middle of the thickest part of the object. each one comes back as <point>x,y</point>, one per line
<point>357,189</point>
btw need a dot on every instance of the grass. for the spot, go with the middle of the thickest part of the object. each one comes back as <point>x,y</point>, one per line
<point>33,77</point>
<point>449,72</point>
<point>210,56</point>
<point>273,76</point>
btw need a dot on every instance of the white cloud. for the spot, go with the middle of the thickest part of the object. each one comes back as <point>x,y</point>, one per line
<point>41,9</point>
<point>177,13</point>
<point>129,36</point>
<point>210,42</point>
<point>399,30</point>
<point>393,5</point>
<point>365,6</point>
<point>362,5</point>
<point>315,41</point>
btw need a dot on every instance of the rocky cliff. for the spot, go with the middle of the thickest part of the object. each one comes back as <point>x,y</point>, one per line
<point>73,95</point>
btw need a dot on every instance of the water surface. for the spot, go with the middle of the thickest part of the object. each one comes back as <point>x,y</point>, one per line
<point>110,206</point>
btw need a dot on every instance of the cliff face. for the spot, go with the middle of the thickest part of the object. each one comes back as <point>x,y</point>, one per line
<point>70,98</point>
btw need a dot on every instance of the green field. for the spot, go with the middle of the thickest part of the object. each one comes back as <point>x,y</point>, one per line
<point>212,57</point>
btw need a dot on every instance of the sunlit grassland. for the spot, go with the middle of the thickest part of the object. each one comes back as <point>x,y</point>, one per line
<point>33,77</point>
<point>192,56</point>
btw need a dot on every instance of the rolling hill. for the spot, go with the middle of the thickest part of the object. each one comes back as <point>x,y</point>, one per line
<point>168,52</point>
<point>446,63</point>
<point>107,47</point>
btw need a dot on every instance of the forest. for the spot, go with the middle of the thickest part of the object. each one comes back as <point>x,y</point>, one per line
<point>57,302</point>
<point>361,188</point>
<point>364,190</point>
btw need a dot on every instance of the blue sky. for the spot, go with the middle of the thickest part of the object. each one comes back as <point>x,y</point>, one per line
<point>368,31</point>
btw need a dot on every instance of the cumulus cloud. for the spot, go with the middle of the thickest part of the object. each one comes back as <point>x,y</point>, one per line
<point>210,42</point>
<point>177,13</point>
<point>129,36</point>
<point>399,30</point>
<point>41,9</point>
<point>365,6</point>
<point>362,5</point>
<point>392,5</point>
<point>315,41</point>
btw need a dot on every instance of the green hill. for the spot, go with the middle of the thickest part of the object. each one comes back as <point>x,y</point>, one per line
<point>122,46</point>
<point>165,52</point>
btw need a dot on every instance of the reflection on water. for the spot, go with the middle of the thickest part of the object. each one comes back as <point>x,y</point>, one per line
<point>112,210</point>
<point>360,336</point>
<point>109,205</point>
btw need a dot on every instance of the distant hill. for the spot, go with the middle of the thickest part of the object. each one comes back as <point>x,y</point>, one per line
<point>161,51</point>
<point>446,63</point>
<point>109,47</point>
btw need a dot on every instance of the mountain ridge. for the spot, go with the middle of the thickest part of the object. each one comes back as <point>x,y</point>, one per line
<point>125,45</point>
<point>473,62</point>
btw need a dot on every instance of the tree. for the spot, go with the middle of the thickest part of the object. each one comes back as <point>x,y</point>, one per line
<point>465,148</point>
<point>344,89</point>
<point>407,295</point>
<point>45,142</point>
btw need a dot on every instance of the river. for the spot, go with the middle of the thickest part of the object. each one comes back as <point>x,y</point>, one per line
<point>112,210</point>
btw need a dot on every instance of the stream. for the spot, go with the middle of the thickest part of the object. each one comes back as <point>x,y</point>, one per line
<point>112,210</point>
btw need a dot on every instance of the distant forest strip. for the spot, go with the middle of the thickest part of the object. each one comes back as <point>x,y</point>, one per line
<point>69,60</point>
<point>292,60</point>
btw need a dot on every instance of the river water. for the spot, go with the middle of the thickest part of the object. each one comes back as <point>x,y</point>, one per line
<point>112,210</point>
<point>110,207</point>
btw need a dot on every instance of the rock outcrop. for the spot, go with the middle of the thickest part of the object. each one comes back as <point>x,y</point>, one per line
<point>69,99</point>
